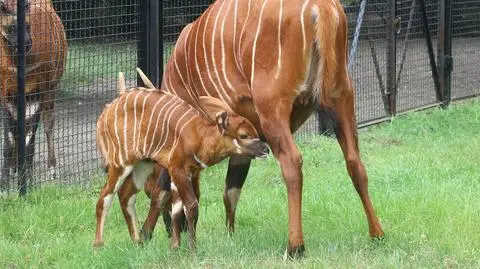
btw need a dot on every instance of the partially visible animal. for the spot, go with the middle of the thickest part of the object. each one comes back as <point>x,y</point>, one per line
<point>273,62</point>
<point>46,48</point>
<point>147,127</point>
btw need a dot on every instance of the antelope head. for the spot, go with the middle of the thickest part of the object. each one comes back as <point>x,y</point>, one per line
<point>8,24</point>
<point>238,132</point>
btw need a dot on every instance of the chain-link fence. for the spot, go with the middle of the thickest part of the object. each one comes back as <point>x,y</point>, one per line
<point>74,50</point>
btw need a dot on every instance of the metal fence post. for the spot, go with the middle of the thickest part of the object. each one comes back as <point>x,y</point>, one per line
<point>21,30</point>
<point>149,59</point>
<point>391,56</point>
<point>445,59</point>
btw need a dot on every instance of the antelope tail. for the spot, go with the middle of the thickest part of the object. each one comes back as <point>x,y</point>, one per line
<point>145,79</point>
<point>326,25</point>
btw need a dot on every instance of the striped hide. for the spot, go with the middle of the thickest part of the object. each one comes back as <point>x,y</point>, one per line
<point>273,62</point>
<point>147,127</point>
<point>46,48</point>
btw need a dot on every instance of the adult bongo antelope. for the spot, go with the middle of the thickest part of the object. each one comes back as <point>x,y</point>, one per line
<point>146,127</point>
<point>273,61</point>
<point>46,48</point>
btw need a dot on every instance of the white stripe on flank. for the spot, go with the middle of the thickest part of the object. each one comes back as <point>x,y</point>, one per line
<point>159,115</point>
<point>108,138</point>
<point>170,89</point>
<point>140,124</point>
<point>186,54</point>
<point>197,67</point>
<point>152,112</point>
<point>120,157</point>
<point>235,35</point>
<point>243,30</point>
<point>279,61</point>
<point>252,76</point>
<point>179,133</point>
<point>181,78</point>
<point>125,122</point>
<point>302,21</point>
<point>205,58</point>
<point>213,58</point>
<point>166,121</point>
<point>222,42</point>
<point>135,123</point>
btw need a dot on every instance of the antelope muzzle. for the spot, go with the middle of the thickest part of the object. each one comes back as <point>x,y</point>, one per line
<point>257,149</point>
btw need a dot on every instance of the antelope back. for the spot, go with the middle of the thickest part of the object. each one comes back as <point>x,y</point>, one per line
<point>142,124</point>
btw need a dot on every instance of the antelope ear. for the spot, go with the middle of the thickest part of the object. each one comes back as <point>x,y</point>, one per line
<point>213,106</point>
<point>145,79</point>
<point>222,121</point>
<point>121,85</point>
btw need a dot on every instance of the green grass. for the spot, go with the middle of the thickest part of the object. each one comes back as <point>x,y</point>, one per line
<point>424,181</point>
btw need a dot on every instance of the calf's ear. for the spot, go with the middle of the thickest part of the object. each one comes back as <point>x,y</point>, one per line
<point>213,106</point>
<point>222,121</point>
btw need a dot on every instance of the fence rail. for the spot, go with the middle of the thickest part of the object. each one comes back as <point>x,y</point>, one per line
<point>392,69</point>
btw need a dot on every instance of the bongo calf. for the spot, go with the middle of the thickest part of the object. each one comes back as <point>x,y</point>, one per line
<point>147,127</point>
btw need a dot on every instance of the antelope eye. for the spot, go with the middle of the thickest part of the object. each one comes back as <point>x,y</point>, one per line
<point>243,136</point>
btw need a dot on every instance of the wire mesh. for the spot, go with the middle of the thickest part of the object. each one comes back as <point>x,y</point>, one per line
<point>466,41</point>
<point>70,80</point>
<point>415,88</point>
<point>77,49</point>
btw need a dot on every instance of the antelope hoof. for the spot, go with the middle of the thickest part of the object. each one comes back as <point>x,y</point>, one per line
<point>98,244</point>
<point>380,238</point>
<point>297,252</point>
<point>145,235</point>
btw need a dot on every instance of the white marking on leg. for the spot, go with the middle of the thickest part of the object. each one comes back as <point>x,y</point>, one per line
<point>233,195</point>
<point>107,203</point>
<point>162,199</point>
<point>302,22</point>
<point>202,164</point>
<point>133,216</point>
<point>126,171</point>
<point>279,60</point>
<point>252,75</point>
<point>173,187</point>
<point>239,148</point>
<point>28,137</point>
<point>31,110</point>
<point>177,207</point>
<point>141,171</point>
